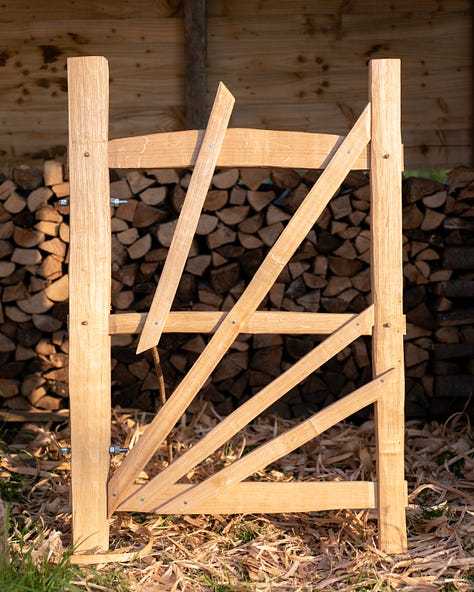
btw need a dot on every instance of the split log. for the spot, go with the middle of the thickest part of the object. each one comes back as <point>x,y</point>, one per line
<point>244,216</point>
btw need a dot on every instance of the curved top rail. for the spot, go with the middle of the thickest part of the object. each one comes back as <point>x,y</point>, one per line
<point>242,147</point>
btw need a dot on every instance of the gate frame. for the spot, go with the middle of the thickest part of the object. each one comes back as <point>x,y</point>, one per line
<point>91,154</point>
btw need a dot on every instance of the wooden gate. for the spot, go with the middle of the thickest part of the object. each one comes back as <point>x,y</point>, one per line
<point>373,143</point>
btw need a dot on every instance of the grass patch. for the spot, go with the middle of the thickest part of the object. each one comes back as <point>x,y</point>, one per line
<point>24,573</point>
<point>30,568</point>
<point>16,489</point>
<point>440,175</point>
<point>247,532</point>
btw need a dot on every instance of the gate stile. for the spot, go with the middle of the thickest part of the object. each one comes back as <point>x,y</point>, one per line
<point>91,154</point>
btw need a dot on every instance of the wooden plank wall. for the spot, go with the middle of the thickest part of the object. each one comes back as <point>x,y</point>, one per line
<point>291,65</point>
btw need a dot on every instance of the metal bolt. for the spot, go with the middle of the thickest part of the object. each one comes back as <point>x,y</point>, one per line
<point>86,154</point>
<point>386,156</point>
<point>117,449</point>
<point>114,201</point>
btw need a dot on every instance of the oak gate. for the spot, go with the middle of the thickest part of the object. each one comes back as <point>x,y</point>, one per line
<point>374,143</point>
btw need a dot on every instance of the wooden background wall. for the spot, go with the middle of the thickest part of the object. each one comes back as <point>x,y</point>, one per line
<point>291,64</point>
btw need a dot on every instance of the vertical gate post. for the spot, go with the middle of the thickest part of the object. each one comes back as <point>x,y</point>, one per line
<point>89,301</point>
<point>387,291</point>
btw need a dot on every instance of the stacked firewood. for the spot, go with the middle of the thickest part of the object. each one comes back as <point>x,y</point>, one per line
<point>244,213</point>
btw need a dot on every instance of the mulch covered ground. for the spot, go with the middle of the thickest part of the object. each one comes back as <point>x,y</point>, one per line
<point>317,551</point>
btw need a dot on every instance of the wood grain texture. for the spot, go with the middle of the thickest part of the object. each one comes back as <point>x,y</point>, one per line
<point>280,445</point>
<point>289,240</point>
<point>89,302</point>
<point>255,497</point>
<point>249,410</point>
<point>195,43</point>
<point>289,65</point>
<point>241,148</point>
<point>188,219</point>
<point>387,293</point>
<point>296,323</point>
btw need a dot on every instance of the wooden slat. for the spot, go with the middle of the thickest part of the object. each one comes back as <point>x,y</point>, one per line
<point>279,446</point>
<point>255,497</point>
<point>105,10</point>
<point>248,8</point>
<point>283,249</point>
<point>295,323</point>
<point>188,219</point>
<point>288,84</point>
<point>241,148</point>
<point>387,286</point>
<point>89,302</point>
<point>249,410</point>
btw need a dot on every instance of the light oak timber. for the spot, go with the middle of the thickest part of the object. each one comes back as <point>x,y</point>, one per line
<point>89,304</point>
<point>268,272</point>
<point>188,219</point>
<point>262,498</point>
<point>387,292</point>
<point>281,445</point>
<point>249,410</point>
<point>241,148</point>
<point>260,322</point>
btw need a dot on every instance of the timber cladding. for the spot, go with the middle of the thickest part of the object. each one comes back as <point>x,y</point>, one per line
<point>291,65</point>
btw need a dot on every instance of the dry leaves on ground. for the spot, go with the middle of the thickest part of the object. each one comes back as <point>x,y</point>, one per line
<point>284,552</point>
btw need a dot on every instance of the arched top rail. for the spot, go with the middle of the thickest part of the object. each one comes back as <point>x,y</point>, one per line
<point>242,147</point>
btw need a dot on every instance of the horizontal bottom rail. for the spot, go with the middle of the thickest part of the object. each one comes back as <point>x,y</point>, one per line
<point>264,498</point>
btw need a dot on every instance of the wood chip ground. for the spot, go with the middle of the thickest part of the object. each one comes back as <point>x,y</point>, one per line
<point>285,552</point>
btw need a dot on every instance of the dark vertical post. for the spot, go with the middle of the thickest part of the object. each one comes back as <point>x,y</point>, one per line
<point>195,41</point>
<point>472,84</point>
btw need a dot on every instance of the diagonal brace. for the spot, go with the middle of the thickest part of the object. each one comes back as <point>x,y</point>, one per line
<point>230,425</point>
<point>283,444</point>
<point>188,219</point>
<point>283,249</point>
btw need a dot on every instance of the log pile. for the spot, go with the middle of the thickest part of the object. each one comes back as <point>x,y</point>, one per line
<point>244,214</point>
